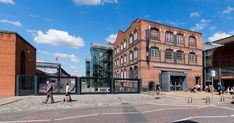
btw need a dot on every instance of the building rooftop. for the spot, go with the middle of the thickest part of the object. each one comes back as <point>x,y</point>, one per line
<point>209,46</point>
<point>101,46</point>
<point>225,41</point>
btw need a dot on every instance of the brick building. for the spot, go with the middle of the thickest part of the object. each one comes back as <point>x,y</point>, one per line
<point>17,56</point>
<point>156,52</point>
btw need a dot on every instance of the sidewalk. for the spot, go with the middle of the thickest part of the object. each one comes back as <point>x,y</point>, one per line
<point>34,103</point>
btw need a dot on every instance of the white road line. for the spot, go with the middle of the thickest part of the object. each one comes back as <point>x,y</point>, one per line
<point>66,118</point>
<point>200,117</point>
<point>232,115</point>
<point>182,105</point>
<point>25,121</point>
<point>188,118</point>
<point>180,108</point>
<point>149,111</point>
<point>204,107</point>
<point>223,107</point>
<point>120,113</point>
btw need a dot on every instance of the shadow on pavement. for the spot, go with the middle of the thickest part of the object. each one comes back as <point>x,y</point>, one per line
<point>186,121</point>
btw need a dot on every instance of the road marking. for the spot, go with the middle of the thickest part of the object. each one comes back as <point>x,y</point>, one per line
<point>120,113</point>
<point>223,107</point>
<point>180,108</point>
<point>232,115</point>
<point>204,107</point>
<point>66,118</point>
<point>200,117</point>
<point>188,118</point>
<point>149,111</point>
<point>180,105</point>
<point>25,121</point>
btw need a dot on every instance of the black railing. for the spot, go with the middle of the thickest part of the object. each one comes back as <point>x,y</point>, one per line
<point>36,85</point>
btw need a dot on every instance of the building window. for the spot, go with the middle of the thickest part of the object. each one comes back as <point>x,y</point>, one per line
<point>168,54</point>
<point>130,55</point>
<point>121,60</point>
<point>192,41</point>
<point>179,39</point>
<point>125,74</point>
<point>169,37</point>
<point>135,35</point>
<point>117,49</point>
<point>154,52</point>
<point>154,34</point>
<point>125,58</point>
<point>124,44</point>
<point>121,46</point>
<point>130,39</point>
<point>179,55</point>
<point>192,57</point>
<point>135,53</point>
<point>117,62</point>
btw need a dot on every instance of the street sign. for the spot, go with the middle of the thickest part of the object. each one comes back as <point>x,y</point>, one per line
<point>212,73</point>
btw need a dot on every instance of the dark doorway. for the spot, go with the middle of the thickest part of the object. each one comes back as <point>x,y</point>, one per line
<point>151,86</point>
<point>197,80</point>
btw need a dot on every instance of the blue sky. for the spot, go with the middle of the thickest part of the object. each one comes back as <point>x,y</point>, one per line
<point>66,28</point>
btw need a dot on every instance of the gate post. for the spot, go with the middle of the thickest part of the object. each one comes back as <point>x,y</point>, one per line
<point>35,85</point>
<point>78,86</point>
<point>112,86</point>
<point>17,85</point>
<point>139,85</point>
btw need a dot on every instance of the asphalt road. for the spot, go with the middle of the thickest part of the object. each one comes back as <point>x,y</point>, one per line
<point>128,114</point>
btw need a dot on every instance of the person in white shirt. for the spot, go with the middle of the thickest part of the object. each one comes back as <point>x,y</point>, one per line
<point>67,94</point>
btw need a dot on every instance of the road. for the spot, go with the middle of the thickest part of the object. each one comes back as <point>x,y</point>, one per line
<point>147,113</point>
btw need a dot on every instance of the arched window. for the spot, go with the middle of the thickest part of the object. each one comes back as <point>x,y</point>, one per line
<point>169,54</point>
<point>117,62</point>
<point>125,58</point>
<point>130,39</point>
<point>130,55</point>
<point>154,52</point>
<point>135,56</point>
<point>130,72</point>
<point>125,73</point>
<point>135,35</point>
<point>121,60</point>
<point>179,39</point>
<point>117,50</point>
<point>135,72</point>
<point>154,34</point>
<point>192,57</point>
<point>192,41</point>
<point>169,37</point>
<point>179,55</point>
<point>124,43</point>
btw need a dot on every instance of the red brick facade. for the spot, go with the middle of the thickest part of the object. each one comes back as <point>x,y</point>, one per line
<point>189,62</point>
<point>17,56</point>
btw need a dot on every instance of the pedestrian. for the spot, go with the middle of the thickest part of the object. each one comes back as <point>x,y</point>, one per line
<point>157,88</point>
<point>67,94</point>
<point>49,92</point>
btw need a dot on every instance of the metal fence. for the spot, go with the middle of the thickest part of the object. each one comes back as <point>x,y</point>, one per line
<point>36,85</point>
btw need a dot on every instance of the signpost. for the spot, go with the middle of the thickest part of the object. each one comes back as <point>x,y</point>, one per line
<point>212,73</point>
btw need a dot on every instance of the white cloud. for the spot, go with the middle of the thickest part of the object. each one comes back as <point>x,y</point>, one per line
<point>94,2</point>
<point>59,38</point>
<point>111,38</point>
<point>201,25</point>
<point>71,57</point>
<point>43,52</point>
<point>194,14</point>
<point>228,10</point>
<point>217,36</point>
<point>15,23</point>
<point>7,1</point>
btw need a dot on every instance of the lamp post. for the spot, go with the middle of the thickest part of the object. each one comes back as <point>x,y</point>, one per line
<point>212,73</point>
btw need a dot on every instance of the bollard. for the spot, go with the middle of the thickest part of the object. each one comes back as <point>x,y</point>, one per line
<point>222,99</point>
<point>207,99</point>
<point>190,100</point>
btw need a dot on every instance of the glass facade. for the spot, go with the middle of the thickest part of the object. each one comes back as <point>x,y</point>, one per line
<point>101,63</point>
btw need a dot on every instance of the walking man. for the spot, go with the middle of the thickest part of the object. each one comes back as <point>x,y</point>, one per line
<point>49,92</point>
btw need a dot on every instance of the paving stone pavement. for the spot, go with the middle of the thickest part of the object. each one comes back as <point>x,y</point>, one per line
<point>34,103</point>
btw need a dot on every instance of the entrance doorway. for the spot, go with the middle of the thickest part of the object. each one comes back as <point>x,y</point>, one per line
<point>151,86</point>
<point>176,83</point>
